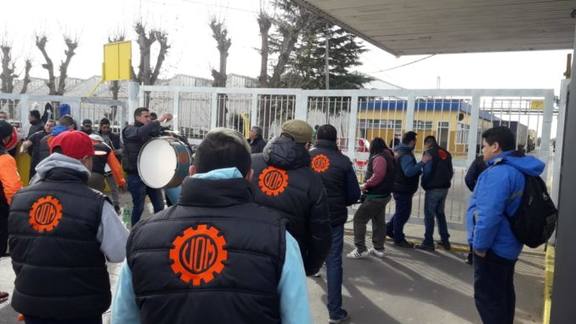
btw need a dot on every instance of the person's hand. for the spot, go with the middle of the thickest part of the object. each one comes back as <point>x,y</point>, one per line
<point>426,158</point>
<point>165,117</point>
<point>480,254</point>
<point>363,188</point>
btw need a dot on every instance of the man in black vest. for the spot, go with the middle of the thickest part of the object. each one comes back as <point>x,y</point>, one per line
<point>134,137</point>
<point>377,189</point>
<point>436,180</point>
<point>405,186</point>
<point>32,144</point>
<point>215,256</point>
<point>343,190</point>
<point>61,234</point>
<point>284,181</point>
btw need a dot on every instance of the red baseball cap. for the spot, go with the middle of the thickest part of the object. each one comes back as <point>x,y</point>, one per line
<point>74,144</point>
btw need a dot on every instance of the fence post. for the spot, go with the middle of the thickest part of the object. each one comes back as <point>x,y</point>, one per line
<point>24,123</point>
<point>352,127</point>
<point>554,193</point>
<point>213,110</point>
<point>473,132</point>
<point>254,110</point>
<point>411,106</point>
<point>301,106</point>
<point>547,125</point>
<point>175,108</point>
<point>135,96</point>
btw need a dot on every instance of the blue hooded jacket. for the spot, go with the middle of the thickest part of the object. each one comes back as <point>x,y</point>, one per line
<point>498,193</point>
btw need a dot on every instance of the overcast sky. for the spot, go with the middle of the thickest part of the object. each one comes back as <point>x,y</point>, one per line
<point>193,51</point>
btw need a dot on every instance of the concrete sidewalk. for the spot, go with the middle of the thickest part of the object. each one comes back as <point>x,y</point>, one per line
<point>406,286</point>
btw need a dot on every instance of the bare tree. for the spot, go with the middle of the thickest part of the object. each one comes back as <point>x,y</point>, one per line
<point>8,68</point>
<point>146,74</point>
<point>220,34</point>
<point>26,81</point>
<point>71,45</point>
<point>264,22</point>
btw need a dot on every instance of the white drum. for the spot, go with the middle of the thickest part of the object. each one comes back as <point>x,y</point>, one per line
<point>163,162</point>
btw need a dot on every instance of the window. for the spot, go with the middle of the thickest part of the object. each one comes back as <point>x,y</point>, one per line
<point>381,123</point>
<point>462,133</point>
<point>422,125</point>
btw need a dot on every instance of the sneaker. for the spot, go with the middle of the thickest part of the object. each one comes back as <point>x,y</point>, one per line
<point>425,247</point>
<point>355,254</point>
<point>446,245</point>
<point>376,253</point>
<point>340,319</point>
<point>404,244</point>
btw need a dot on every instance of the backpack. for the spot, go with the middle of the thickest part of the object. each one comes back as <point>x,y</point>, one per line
<point>535,220</point>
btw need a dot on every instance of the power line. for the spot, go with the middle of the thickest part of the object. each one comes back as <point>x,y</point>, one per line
<point>405,64</point>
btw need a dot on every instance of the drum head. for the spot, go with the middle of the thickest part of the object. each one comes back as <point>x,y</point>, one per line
<point>157,163</point>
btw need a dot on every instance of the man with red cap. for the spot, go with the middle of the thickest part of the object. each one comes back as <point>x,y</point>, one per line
<point>62,232</point>
<point>9,184</point>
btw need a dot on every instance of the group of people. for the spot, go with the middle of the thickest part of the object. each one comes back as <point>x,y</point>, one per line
<point>253,219</point>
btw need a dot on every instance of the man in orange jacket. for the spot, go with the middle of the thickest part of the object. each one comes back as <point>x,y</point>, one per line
<point>9,184</point>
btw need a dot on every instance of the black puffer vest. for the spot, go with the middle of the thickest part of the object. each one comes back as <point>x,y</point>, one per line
<point>385,187</point>
<point>442,171</point>
<point>60,271</point>
<point>402,183</point>
<point>216,257</point>
<point>332,166</point>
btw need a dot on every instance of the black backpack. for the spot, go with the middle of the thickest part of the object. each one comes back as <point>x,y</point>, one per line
<point>535,220</point>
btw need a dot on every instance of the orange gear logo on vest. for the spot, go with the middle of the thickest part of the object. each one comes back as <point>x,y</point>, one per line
<point>320,163</point>
<point>45,214</point>
<point>198,254</point>
<point>273,181</point>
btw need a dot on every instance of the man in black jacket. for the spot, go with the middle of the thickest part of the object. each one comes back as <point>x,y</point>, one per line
<point>35,121</point>
<point>436,181</point>
<point>284,181</point>
<point>134,137</point>
<point>33,145</point>
<point>256,140</point>
<point>343,190</point>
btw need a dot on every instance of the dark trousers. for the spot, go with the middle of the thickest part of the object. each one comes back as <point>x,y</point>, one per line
<point>139,190</point>
<point>434,202</point>
<point>401,216</point>
<point>334,272</point>
<point>371,209</point>
<point>4,211</point>
<point>34,320</point>
<point>494,288</point>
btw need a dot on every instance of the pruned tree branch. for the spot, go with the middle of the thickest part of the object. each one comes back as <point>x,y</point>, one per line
<point>220,34</point>
<point>71,45</point>
<point>26,81</point>
<point>162,39</point>
<point>265,23</point>
<point>8,68</point>
<point>49,66</point>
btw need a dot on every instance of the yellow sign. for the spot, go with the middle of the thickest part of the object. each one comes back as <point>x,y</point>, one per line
<point>537,104</point>
<point>117,61</point>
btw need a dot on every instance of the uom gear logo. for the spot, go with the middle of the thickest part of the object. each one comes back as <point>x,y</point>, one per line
<point>198,254</point>
<point>45,214</point>
<point>320,163</point>
<point>273,181</point>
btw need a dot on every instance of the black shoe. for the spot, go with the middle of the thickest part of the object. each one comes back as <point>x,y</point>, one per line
<point>446,245</point>
<point>404,244</point>
<point>425,247</point>
<point>469,259</point>
<point>341,318</point>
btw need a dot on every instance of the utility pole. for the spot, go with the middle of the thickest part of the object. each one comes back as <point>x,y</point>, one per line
<point>327,58</point>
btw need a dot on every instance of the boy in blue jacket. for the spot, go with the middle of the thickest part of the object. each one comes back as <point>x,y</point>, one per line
<point>497,195</point>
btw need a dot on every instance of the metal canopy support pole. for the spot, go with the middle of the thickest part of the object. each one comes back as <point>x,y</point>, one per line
<point>175,108</point>
<point>352,128</point>
<point>411,106</point>
<point>213,110</point>
<point>254,111</point>
<point>473,131</point>
<point>564,287</point>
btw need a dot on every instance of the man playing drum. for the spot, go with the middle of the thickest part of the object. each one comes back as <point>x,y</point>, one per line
<point>134,137</point>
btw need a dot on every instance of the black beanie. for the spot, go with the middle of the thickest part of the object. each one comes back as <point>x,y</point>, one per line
<point>5,129</point>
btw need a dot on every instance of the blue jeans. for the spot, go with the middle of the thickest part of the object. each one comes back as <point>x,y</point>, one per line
<point>434,202</point>
<point>139,190</point>
<point>334,272</point>
<point>403,210</point>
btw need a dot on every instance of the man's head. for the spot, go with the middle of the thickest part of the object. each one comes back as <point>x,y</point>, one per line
<point>49,126</point>
<point>327,132</point>
<point>430,141</point>
<point>409,139</point>
<point>142,115</point>
<point>255,132</point>
<point>86,126</point>
<point>497,140</point>
<point>6,131</point>
<point>104,126</point>
<point>3,115</point>
<point>223,148</point>
<point>74,144</point>
<point>377,146</point>
<point>67,121</point>
<point>34,116</point>
<point>298,130</point>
